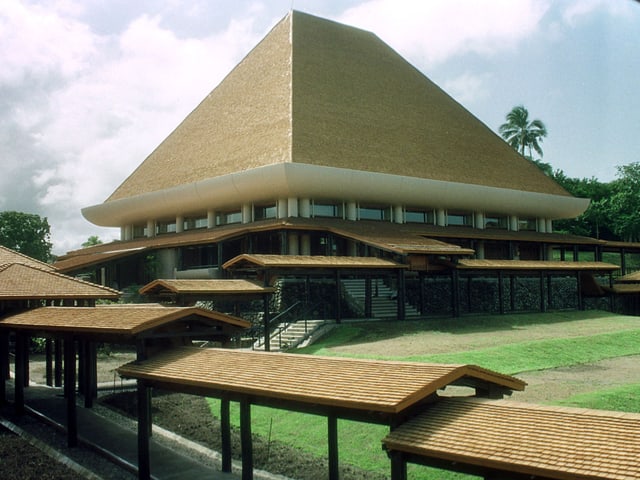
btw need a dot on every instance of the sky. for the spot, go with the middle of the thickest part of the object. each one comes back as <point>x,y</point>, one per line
<point>88,88</point>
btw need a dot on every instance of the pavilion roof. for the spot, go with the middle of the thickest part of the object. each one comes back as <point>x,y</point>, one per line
<point>125,320</point>
<point>528,439</point>
<point>310,261</point>
<point>535,265</point>
<point>355,384</point>
<point>11,256</point>
<point>20,281</point>
<point>206,286</point>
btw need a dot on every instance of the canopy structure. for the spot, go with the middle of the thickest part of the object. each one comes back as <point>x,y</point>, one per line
<point>363,390</point>
<point>11,256</point>
<point>517,441</point>
<point>149,327</point>
<point>310,262</point>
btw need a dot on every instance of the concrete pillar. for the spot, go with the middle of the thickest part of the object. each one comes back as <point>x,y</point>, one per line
<point>211,218</point>
<point>398,214</point>
<point>478,220</point>
<point>293,241</point>
<point>179,224</point>
<point>305,208</point>
<point>549,225</point>
<point>513,223</point>
<point>305,244</point>
<point>151,228</point>
<point>480,250</point>
<point>292,206</point>
<point>352,211</point>
<point>247,213</point>
<point>542,225</point>
<point>281,208</point>
<point>441,217</point>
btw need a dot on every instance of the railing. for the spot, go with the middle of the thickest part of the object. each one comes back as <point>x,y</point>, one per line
<point>282,326</point>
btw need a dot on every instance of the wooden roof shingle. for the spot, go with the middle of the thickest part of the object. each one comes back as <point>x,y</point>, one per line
<point>208,287</point>
<point>533,265</point>
<point>372,385</point>
<point>541,441</point>
<point>23,282</point>
<point>11,256</point>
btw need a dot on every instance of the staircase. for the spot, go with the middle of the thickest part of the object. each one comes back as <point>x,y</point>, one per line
<point>384,303</point>
<point>290,336</point>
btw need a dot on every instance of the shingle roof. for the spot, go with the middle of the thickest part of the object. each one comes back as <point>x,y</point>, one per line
<point>318,92</point>
<point>227,286</point>
<point>127,320</point>
<point>310,261</point>
<point>549,442</point>
<point>21,282</point>
<point>474,264</point>
<point>11,256</point>
<point>381,386</point>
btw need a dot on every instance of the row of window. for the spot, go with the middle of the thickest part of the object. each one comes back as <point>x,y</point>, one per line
<point>337,210</point>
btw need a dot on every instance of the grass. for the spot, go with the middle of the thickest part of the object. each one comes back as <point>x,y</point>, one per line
<point>360,444</point>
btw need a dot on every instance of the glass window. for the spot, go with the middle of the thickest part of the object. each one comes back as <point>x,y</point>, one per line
<point>194,223</point>
<point>495,221</point>
<point>527,224</point>
<point>459,219</point>
<point>226,218</point>
<point>165,227</point>
<point>334,210</point>
<point>419,216</point>
<point>139,231</point>
<point>263,212</point>
<point>374,213</point>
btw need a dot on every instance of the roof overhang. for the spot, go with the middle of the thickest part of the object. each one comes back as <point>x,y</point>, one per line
<point>297,180</point>
<point>534,265</point>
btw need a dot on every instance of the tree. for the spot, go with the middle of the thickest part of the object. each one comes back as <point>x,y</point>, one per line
<point>625,202</point>
<point>521,133</point>
<point>26,233</point>
<point>92,241</point>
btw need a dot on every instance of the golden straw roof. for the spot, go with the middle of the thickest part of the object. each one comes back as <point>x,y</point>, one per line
<point>473,264</point>
<point>127,320</point>
<point>318,92</point>
<point>541,441</point>
<point>22,282</point>
<point>382,386</point>
<point>309,261</point>
<point>11,256</point>
<point>211,287</point>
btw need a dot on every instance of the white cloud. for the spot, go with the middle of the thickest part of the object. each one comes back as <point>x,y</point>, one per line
<point>468,87</point>
<point>576,10</point>
<point>436,30</point>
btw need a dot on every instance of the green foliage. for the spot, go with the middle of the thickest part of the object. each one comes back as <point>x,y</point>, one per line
<point>624,204</point>
<point>521,133</point>
<point>621,399</point>
<point>26,233</point>
<point>92,241</point>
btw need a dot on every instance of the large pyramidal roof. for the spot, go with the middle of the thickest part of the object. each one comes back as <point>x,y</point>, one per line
<point>318,92</point>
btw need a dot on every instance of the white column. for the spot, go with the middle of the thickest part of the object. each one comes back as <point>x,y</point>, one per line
<point>211,218</point>
<point>478,220</point>
<point>480,250</point>
<point>398,214</point>
<point>305,244</point>
<point>441,217</point>
<point>247,216</point>
<point>352,211</point>
<point>293,241</point>
<point>549,226</point>
<point>179,224</point>
<point>513,223</point>
<point>125,232</point>
<point>305,208</point>
<point>151,228</point>
<point>542,225</point>
<point>281,208</point>
<point>292,206</point>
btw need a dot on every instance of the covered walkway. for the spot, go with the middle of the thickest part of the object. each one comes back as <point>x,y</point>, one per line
<point>502,439</point>
<point>370,391</point>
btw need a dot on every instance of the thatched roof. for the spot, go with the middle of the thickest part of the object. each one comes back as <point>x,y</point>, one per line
<point>317,92</point>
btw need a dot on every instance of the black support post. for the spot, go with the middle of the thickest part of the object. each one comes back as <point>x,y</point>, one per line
<point>401,296</point>
<point>4,365</point>
<point>267,321</point>
<point>246,440</point>
<point>144,426</point>
<point>70,391</point>
<point>57,368</point>
<point>332,430</point>
<point>48,353</point>
<point>20,359</point>
<point>225,434</point>
<point>398,466</point>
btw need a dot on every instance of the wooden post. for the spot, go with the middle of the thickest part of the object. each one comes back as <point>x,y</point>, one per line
<point>144,426</point>
<point>398,466</point>
<point>4,365</point>
<point>70,391</point>
<point>57,368</point>
<point>332,430</point>
<point>225,434</point>
<point>48,353</point>
<point>21,345</point>
<point>91,374</point>
<point>246,440</point>
<point>368,310</point>
<point>401,296</point>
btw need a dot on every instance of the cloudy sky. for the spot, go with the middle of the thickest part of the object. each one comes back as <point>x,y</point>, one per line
<point>88,88</point>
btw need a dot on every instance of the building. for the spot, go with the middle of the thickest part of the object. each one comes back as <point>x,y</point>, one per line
<point>324,142</point>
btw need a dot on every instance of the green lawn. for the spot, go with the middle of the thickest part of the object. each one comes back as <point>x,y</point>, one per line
<point>360,444</point>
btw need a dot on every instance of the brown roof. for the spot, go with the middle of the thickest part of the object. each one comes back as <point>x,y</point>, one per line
<point>472,264</point>
<point>22,282</point>
<point>126,320</point>
<point>317,92</point>
<point>226,287</point>
<point>382,386</point>
<point>309,261</point>
<point>541,441</point>
<point>630,278</point>
<point>11,256</point>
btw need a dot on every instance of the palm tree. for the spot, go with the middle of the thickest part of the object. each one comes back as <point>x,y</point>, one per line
<point>520,133</point>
